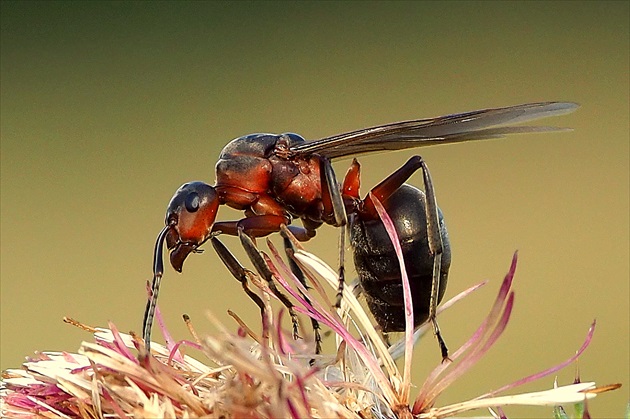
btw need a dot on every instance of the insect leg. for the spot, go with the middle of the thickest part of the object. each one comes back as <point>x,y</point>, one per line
<point>391,183</point>
<point>331,195</point>
<point>265,272</point>
<point>434,238</point>
<point>288,248</point>
<point>342,268</point>
<point>237,270</point>
<point>333,202</point>
<point>260,226</point>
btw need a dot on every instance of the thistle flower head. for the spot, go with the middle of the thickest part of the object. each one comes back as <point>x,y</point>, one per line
<point>262,372</point>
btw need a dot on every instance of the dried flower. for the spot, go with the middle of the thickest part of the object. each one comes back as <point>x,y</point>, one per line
<point>268,374</point>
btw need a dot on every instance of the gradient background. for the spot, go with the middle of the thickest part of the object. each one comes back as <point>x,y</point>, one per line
<point>108,107</point>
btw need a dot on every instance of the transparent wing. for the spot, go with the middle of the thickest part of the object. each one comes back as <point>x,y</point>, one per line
<point>475,125</point>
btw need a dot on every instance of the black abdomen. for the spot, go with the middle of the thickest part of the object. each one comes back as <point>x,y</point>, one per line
<point>377,265</point>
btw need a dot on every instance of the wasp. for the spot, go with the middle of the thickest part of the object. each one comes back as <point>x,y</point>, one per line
<point>276,178</point>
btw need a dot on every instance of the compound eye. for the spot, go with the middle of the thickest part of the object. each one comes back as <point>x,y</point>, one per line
<point>192,202</point>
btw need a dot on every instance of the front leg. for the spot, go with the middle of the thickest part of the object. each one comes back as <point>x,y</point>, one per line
<point>238,271</point>
<point>260,226</point>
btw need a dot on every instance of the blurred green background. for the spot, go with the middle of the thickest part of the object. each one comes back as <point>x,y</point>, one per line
<point>108,107</point>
